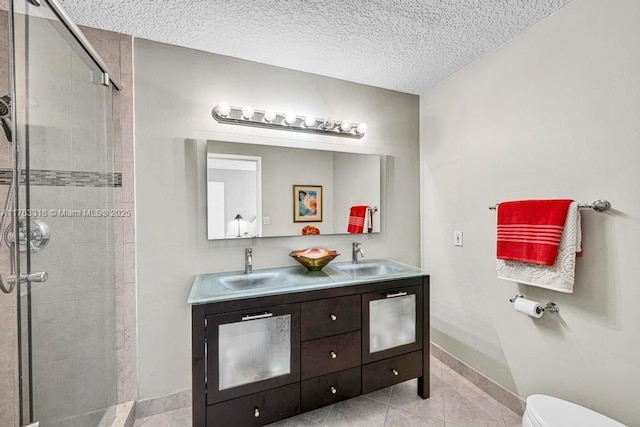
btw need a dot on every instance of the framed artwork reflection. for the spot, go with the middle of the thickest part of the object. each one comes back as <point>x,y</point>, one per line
<point>307,203</point>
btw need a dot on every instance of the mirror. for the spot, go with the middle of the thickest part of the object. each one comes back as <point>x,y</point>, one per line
<point>267,191</point>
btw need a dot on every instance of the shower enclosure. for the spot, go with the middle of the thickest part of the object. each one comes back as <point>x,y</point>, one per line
<point>57,230</point>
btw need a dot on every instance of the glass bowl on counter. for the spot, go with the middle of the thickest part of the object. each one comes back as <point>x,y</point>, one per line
<point>314,259</point>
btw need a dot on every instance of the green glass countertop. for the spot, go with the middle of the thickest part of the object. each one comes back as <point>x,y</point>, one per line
<point>273,281</point>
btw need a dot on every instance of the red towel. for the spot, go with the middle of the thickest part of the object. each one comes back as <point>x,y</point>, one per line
<point>356,219</point>
<point>530,230</point>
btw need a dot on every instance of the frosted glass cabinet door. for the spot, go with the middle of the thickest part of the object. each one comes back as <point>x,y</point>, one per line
<point>393,322</point>
<point>249,352</point>
<point>254,350</point>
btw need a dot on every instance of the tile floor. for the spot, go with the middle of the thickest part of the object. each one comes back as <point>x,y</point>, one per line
<point>454,402</point>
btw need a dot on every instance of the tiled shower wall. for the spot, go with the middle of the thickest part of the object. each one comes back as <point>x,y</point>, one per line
<point>116,50</point>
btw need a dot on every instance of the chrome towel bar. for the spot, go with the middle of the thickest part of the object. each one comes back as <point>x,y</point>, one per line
<point>372,209</point>
<point>598,206</point>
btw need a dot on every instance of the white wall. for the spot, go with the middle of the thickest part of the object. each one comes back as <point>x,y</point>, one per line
<point>554,113</point>
<point>176,89</point>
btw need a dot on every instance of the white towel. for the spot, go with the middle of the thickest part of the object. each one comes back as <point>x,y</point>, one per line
<point>558,277</point>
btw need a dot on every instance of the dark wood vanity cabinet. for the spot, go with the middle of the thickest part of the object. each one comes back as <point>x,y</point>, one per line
<point>262,359</point>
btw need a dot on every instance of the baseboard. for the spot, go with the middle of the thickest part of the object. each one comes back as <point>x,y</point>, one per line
<point>124,415</point>
<point>486,384</point>
<point>158,405</point>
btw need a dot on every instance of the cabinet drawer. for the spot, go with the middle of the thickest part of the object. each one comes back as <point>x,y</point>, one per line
<point>330,354</point>
<point>330,316</point>
<point>391,371</point>
<point>328,389</point>
<point>256,409</point>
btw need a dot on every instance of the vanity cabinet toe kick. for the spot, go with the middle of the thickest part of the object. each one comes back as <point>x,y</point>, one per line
<point>298,352</point>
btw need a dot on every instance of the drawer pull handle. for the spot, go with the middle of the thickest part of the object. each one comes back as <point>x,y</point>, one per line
<point>395,295</point>
<point>395,372</point>
<point>256,316</point>
<point>333,390</point>
<point>333,354</point>
<point>334,317</point>
<point>256,412</point>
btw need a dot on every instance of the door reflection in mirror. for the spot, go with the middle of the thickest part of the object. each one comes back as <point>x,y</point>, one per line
<point>234,188</point>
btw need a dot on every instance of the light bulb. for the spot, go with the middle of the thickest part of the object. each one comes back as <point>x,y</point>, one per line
<point>269,116</point>
<point>247,112</point>
<point>345,126</point>
<point>328,124</point>
<point>224,109</point>
<point>361,129</point>
<point>309,121</point>
<point>290,118</point>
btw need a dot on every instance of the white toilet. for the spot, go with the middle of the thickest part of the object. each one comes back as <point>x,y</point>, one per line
<point>547,411</point>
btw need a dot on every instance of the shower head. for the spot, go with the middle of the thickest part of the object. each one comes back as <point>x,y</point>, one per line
<point>5,115</point>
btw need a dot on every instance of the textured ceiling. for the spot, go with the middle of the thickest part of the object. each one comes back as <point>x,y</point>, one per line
<point>405,45</point>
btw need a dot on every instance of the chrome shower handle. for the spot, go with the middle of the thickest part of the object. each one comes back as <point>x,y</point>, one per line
<point>40,276</point>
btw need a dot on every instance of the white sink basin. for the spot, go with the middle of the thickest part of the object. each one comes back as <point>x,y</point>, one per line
<point>370,268</point>
<point>247,282</point>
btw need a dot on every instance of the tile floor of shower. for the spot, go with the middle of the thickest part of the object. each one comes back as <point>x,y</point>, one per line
<point>454,402</point>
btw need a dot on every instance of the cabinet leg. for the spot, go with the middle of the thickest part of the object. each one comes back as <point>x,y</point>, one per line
<point>423,387</point>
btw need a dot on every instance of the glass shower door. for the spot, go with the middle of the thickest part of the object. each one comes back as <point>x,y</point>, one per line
<point>67,323</point>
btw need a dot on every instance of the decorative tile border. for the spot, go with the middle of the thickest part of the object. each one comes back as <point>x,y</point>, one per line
<point>484,383</point>
<point>56,178</point>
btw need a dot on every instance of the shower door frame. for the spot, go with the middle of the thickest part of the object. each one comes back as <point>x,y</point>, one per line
<point>20,278</point>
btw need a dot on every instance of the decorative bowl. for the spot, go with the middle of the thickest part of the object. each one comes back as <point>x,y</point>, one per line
<point>310,230</point>
<point>314,259</point>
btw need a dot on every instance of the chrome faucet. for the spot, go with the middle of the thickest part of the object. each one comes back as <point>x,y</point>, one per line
<point>248,261</point>
<point>355,250</point>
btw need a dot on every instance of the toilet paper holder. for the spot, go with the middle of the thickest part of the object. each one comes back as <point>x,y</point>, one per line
<point>551,307</point>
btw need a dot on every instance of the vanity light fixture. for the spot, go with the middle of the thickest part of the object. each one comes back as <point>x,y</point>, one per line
<point>247,112</point>
<point>290,119</point>
<point>327,124</point>
<point>361,129</point>
<point>269,116</point>
<point>224,109</point>
<point>309,121</point>
<point>248,116</point>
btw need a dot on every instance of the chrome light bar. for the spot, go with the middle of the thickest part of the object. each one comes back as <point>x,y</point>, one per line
<point>248,116</point>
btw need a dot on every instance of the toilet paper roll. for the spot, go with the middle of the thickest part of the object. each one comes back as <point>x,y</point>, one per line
<point>529,307</point>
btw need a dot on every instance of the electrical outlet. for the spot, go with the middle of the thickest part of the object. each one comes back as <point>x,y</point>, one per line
<point>266,220</point>
<point>457,238</point>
